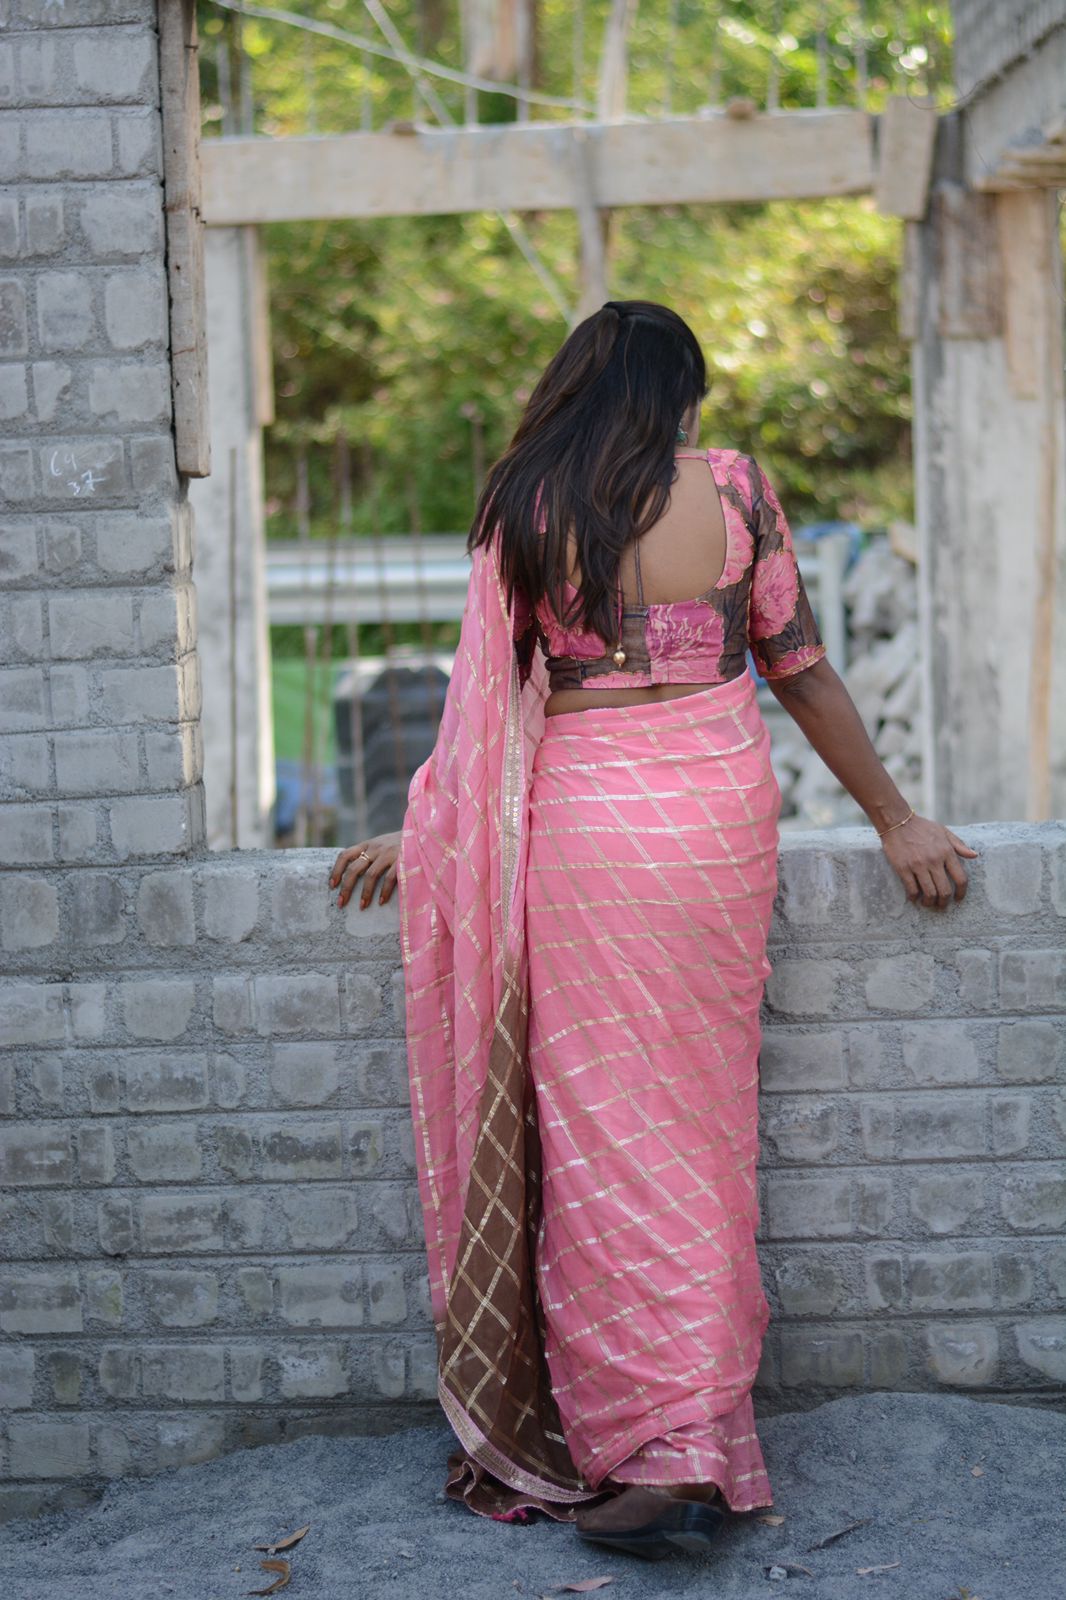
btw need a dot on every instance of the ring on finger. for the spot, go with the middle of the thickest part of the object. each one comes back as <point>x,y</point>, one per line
<point>364,855</point>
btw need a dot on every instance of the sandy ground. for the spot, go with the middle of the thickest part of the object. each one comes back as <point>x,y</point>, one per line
<point>380,1527</point>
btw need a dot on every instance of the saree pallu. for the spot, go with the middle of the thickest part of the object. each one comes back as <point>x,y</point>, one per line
<point>584,907</point>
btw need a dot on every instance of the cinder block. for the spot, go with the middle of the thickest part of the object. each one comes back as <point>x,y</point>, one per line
<point>46,1075</point>
<point>65,317</point>
<point>1012,1117</point>
<point>14,393</point>
<point>801,1128</point>
<point>52,382</point>
<point>174,1080</point>
<point>1034,1200</point>
<point>144,694</point>
<point>153,825</point>
<point>883,1277</point>
<point>85,1008</point>
<point>96,1155</point>
<point>1012,876</point>
<point>159,1008</point>
<point>809,889</point>
<point>16,470</point>
<point>246,1373</point>
<point>23,700</point>
<point>76,826</point>
<point>91,623</point>
<point>790,1060</point>
<point>133,546</point>
<point>808,1285</point>
<point>937,1054</point>
<point>320,1296</point>
<point>36,1154</point>
<point>361,1002</point>
<point>16,1377</point>
<point>123,392</point>
<point>66,144</point>
<point>933,1126</point>
<point>977,979</point>
<point>164,908</point>
<point>887,1358</point>
<point>114,1226</point>
<point>102,1290</point>
<point>804,988</point>
<point>1032,980</point>
<point>231,904</point>
<point>1031,1051</point>
<point>96,761</point>
<point>381,1075</point>
<point>18,549</point>
<point>232,1003</point>
<point>186,1441</point>
<point>304,1074</point>
<point>386,1297</point>
<point>153,468</point>
<point>46,230</point>
<point>24,768</point>
<point>319,1218</point>
<point>9,228</point>
<point>83,469</point>
<point>14,333</point>
<point>140,142</point>
<point>1042,1346</point>
<point>824,1359</point>
<point>300,1152</point>
<point>183,1372</point>
<point>61,540</point>
<point>39,1448</point>
<point>366,1141</point>
<point>118,1372</point>
<point>227,1081</point>
<point>809,1207</point>
<point>40,1302</point>
<point>900,984</point>
<point>311,1372</point>
<point>948,1201</point>
<point>123,220</point>
<point>111,67</point>
<point>64,1375</point>
<point>302,1003</point>
<point>97,905</point>
<point>164,1154</point>
<point>948,1282</point>
<point>29,913</point>
<point>962,1353</point>
<point>179,1299</point>
<point>173,1224</point>
<point>301,902</point>
<point>256,1289</point>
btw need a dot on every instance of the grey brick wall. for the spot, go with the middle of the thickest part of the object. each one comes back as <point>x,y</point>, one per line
<point>210,1211</point>
<point>210,1229</point>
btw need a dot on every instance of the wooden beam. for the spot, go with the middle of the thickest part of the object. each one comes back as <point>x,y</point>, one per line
<point>779,155</point>
<point>180,100</point>
<point>906,134</point>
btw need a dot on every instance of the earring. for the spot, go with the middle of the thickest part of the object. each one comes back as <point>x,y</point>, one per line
<point>682,436</point>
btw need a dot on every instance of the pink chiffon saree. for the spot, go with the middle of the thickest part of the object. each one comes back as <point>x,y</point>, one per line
<point>584,908</point>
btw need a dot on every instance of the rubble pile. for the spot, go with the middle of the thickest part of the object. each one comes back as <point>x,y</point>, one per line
<point>883,677</point>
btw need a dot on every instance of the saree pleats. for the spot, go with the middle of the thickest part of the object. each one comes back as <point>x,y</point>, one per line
<point>651,873</point>
<point>584,908</point>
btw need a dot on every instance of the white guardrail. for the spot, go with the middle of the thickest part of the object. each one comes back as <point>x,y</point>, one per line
<point>403,579</point>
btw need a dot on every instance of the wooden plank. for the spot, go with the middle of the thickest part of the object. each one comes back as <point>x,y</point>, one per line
<point>968,264</point>
<point>906,135</point>
<point>776,155</point>
<point>180,102</point>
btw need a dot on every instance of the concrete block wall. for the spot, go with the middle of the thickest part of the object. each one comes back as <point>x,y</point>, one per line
<point>210,1213</point>
<point>99,680</point>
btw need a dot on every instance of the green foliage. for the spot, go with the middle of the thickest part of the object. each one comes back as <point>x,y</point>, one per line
<point>418,339</point>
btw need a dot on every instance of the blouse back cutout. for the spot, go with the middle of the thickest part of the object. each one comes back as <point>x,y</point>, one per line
<point>758,603</point>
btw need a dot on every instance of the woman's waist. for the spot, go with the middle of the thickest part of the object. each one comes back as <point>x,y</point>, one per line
<point>688,722</point>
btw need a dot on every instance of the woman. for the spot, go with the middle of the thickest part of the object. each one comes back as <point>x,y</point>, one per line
<point>587,869</point>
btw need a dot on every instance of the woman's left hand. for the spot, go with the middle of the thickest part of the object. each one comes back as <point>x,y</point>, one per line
<point>926,856</point>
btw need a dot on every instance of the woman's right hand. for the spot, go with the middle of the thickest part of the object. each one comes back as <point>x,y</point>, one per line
<point>374,861</point>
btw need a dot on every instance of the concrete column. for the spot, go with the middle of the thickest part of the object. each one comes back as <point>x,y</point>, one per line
<point>230,552</point>
<point>984,275</point>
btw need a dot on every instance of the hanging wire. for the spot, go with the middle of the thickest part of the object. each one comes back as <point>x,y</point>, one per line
<point>309,82</point>
<point>432,69</point>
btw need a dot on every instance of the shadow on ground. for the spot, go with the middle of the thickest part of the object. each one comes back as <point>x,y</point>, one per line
<point>380,1528</point>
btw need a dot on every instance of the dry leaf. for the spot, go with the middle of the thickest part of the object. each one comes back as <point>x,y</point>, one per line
<point>774,1521</point>
<point>864,1572</point>
<point>284,1544</point>
<point>581,1586</point>
<point>977,1472</point>
<point>829,1538</point>
<point>284,1572</point>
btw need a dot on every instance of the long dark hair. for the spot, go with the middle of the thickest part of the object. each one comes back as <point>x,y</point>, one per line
<point>592,458</point>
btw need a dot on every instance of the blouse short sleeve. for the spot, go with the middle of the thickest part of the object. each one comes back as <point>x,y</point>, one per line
<point>782,630</point>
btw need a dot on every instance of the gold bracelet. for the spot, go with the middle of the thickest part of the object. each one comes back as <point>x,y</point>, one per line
<point>882,831</point>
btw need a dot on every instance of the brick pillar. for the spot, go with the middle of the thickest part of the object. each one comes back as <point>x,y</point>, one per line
<point>100,759</point>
